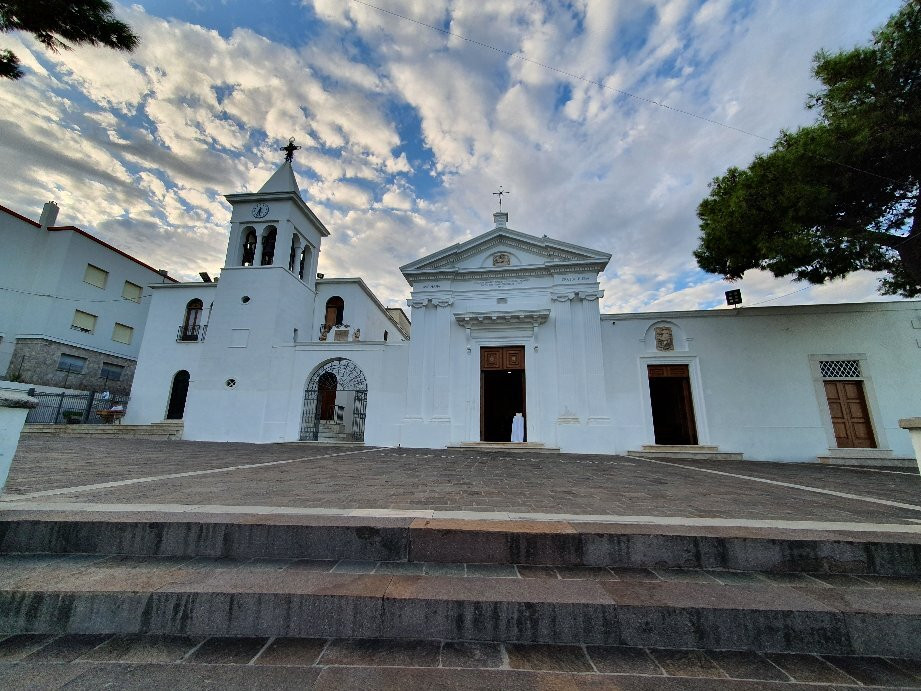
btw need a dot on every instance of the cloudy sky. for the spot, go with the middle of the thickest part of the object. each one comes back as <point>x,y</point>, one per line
<point>408,123</point>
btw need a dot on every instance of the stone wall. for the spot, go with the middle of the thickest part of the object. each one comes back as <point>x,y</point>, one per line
<point>35,361</point>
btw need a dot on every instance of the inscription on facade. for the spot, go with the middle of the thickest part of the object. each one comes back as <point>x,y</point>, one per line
<point>576,279</point>
<point>503,282</point>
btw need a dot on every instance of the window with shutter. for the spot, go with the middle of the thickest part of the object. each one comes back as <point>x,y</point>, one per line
<point>132,291</point>
<point>95,276</point>
<point>122,333</point>
<point>84,321</point>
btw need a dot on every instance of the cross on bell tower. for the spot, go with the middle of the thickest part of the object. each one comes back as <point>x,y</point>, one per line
<point>289,150</point>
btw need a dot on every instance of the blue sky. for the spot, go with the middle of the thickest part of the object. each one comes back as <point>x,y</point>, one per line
<point>406,130</point>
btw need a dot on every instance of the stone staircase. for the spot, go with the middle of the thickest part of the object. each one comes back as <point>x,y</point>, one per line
<point>167,429</point>
<point>333,433</point>
<point>760,590</point>
<point>687,452</point>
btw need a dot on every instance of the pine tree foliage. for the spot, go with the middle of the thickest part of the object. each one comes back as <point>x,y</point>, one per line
<point>59,23</point>
<point>839,195</point>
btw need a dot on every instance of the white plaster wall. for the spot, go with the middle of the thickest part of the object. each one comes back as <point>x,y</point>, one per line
<point>53,263</point>
<point>564,375</point>
<point>754,388</point>
<point>360,312</point>
<point>161,356</point>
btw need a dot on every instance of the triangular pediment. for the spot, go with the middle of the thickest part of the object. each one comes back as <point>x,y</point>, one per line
<point>505,249</point>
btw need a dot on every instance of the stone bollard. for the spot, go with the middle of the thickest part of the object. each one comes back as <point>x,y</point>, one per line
<point>13,410</point>
<point>913,425</point>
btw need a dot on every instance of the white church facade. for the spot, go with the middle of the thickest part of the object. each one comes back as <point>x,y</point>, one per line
<point>509,323</point>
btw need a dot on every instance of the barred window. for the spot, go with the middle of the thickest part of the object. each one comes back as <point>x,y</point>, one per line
<point>71,363</point>
<point>111,371</point>
<point>840,369</point>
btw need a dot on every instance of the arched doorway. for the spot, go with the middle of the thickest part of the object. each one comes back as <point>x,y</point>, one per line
<point>177,395</point>
<point>336,390</point>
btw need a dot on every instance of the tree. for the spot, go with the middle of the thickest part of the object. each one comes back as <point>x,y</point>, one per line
<point>839,195</point>
<point>53,22</point>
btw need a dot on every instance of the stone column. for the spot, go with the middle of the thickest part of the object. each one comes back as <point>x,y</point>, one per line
<point>13,410</point>
<point>913,425</point>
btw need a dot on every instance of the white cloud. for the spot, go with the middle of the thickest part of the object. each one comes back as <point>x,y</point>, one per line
<point>140,147</point>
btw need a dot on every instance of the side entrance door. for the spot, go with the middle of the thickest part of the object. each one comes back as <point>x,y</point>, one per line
<point>849,416</point>
<point>672,406</point>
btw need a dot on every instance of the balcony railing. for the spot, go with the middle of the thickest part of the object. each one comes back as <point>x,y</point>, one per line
<point>191,333</point>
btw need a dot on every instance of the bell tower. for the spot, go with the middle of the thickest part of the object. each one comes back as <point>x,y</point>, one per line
<point>275,227</point>
<point>263,307</point>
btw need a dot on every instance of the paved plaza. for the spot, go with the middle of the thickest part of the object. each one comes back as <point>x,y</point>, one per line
<point>179,475</point>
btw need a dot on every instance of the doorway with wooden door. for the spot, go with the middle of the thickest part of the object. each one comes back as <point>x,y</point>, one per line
<point>672,405</point>
<point>850,417</point>
<point>502,391</point>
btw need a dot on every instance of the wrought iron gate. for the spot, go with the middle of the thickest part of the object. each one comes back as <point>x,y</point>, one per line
<point>349,379</point>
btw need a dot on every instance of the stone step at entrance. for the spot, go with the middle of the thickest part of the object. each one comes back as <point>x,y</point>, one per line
<point>689,452</point>
<point>183,662</point>
<point>171,429</point>
<point>68,594</point>
<point>891,552</point>
<point>766,591</point>
<point>533,447</point>
<point>333,432</point>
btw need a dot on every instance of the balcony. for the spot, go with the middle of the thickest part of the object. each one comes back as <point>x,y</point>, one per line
<point>191,333</point>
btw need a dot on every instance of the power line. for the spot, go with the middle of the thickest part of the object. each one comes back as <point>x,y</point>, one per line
<point>777,297</point>
<point>572,75</point>
<point>69,299</point>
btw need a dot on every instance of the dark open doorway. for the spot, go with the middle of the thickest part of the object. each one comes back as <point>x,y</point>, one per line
<point>177,396</point>
<point>672,407</point>
<point>327,395</point>
<point>502,391</point>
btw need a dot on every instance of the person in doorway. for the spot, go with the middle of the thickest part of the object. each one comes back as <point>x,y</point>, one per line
<point>518,428</point>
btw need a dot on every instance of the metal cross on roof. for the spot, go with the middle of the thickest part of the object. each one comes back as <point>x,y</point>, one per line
<point>499,194</point>
<point>289,150</point>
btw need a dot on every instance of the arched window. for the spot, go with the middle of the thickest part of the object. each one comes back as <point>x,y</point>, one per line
<point>334,309</point>
<point>295,252</point>
<point>191,323</point>
<point>305,262</point>
<point>249,248</point>
<point>268,246</point>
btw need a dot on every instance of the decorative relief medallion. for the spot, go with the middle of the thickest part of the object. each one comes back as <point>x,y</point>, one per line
<point>501,259</point>
<point>664,339</point>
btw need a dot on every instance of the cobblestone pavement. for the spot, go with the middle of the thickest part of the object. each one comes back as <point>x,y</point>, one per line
<point>179,662</point>
<point>316,476</point>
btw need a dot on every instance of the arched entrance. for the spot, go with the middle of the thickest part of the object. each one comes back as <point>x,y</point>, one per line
<point>336,390</point>
<point>178,392</point>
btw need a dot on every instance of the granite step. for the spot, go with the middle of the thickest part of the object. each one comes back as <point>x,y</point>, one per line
<point>155,431</point>
<point>409,539</point>
<point>69,594</point>
<point>187,662</point>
